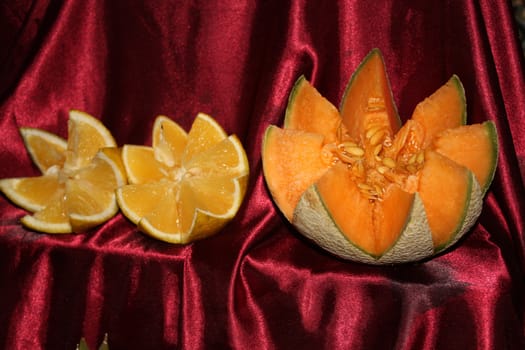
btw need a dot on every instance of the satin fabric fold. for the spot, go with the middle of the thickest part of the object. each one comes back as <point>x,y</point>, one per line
<point>258,283</point>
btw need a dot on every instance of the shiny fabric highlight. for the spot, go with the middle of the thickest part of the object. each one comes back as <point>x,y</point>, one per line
<point>257,284</point>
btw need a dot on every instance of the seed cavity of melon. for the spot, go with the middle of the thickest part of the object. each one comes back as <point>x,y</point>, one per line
<point>372,161</point>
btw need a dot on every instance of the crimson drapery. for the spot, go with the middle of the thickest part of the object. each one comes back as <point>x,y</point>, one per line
<point>258,284</point>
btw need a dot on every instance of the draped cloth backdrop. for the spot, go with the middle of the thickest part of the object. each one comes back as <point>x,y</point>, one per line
<point>257,284</point>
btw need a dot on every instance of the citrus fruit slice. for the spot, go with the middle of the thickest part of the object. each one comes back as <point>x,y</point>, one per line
<point>186,186</point>
<point>46,149</point>
<point>76,190</point>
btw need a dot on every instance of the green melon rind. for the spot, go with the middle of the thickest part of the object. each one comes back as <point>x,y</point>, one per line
<point>471,212</point>
<point>269,184</point>
<point>313,220</point>
<point>373,52</point>
<point>291,100</point>
<point>461,90</point>
<point>493,133</point>
<point>291,113</point>
<point>415,242</point>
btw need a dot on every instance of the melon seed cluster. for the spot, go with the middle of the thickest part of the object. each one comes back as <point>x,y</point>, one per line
<point>377,159</point>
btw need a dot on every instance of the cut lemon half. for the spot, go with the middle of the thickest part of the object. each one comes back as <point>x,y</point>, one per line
<point>187,186</point>
<point>76,190</point>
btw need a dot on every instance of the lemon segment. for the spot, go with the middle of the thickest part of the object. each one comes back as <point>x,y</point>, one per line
<point>77,189</point>
<point>136,200</point>
<point>187,186</point>
<point>30,193</point>
<point>47,150</point>
<point>86,135</point>
<point>169,141</point>
<point>52,218</point>
<point>204,133</point>
<point>140,164</point>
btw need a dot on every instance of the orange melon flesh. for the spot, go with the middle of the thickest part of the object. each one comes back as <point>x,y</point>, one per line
<point>368,97</point>
<point>349,210</point>
<point>444,109</point>
<point>474,146</point>
<point>391,216</point>
<point>444,187</point>
<point>306,101</point>
<point>292,162</point>
<point>372,226</point>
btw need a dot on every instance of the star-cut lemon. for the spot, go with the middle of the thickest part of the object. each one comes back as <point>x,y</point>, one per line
<point>186,186</point>
<point>76,190</point>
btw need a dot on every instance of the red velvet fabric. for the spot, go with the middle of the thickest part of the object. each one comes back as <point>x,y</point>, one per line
<point>258,284</point>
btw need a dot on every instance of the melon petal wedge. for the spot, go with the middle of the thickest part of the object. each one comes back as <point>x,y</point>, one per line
<point>367,188</point>
<point>76,190</point>
<point>186,186</point>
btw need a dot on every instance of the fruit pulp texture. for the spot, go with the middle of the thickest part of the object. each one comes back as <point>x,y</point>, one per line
<point>474,146</point>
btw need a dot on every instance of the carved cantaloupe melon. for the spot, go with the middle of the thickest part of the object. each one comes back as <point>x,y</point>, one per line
<point>367,188</point>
